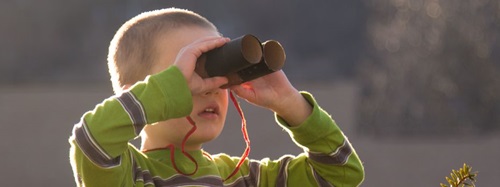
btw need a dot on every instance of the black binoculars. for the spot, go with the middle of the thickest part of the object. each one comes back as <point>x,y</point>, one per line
<point>242,59</point>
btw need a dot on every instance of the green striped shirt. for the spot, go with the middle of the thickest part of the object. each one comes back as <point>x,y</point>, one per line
<point>101,154</point>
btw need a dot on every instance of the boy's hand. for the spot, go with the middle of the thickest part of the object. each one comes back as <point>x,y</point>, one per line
<point>186,62</point>
<point>276,93</point>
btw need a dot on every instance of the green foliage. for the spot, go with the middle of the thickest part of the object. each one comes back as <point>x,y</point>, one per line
<point>464,177</point>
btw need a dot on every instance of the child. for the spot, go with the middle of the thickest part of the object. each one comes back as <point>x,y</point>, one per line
<point>159,98</point>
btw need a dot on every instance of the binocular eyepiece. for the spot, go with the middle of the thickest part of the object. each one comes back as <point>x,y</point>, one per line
<point>242,59</point>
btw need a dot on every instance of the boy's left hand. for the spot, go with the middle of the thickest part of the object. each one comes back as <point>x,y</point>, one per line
<point>276,93</point>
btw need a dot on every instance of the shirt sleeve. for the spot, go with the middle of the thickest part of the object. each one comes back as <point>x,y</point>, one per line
<point>99,142</point>
<point>328,159</point>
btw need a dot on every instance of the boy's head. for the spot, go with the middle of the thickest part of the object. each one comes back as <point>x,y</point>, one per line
<point>134,50</point>
<point>148,44</point>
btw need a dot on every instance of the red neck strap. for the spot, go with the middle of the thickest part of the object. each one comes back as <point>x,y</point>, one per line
<point>245,135</point>
<point>193,129</point>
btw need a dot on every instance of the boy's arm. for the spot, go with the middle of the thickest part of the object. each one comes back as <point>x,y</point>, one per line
<point>329,158</point>
<point>100,140</point>
<point>330,155</point>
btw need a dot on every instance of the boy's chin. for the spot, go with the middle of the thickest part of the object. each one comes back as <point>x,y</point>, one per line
<point>206,139</point>
<point>201,139</point>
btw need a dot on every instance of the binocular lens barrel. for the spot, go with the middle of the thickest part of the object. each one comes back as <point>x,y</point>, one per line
<point>231,57</point>
<point>274,55</point>
<point>242,59</point>
<point>274,59</point>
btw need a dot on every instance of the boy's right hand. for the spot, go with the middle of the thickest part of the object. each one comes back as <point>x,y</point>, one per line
<point>186,62</point>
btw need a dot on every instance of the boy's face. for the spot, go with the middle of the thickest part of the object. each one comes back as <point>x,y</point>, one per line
<point>209,109</point>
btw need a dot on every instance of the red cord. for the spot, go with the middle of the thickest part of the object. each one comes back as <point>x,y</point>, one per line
<point>245,136</point>
<point>172,147</point>
<point>193,129</point>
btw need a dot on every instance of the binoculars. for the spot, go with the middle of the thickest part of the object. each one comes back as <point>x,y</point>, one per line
<point>242,59</point>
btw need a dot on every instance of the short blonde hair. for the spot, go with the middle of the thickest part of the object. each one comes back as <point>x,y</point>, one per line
<point>132,51</point>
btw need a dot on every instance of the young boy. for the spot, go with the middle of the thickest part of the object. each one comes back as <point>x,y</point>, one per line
<point>159,98</point>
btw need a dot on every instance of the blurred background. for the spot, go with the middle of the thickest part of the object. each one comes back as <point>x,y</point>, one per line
<point>414,84</point>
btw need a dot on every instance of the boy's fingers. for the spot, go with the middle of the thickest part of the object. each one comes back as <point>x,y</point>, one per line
<point>206,44</point>
<point>189,54</point>
<point>244,90</point>
<point>210,38</point>
<point>193,51</point>
<point>212,44</point>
